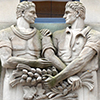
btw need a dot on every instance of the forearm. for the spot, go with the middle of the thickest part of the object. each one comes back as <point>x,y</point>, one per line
<point>17,60</point>
<point>8,65</point>
<point>11,62</point>
<point>70,70</point>
<point>76,65</point>
<point>5,54</point>
<point>49,54</point>
<point>37,63</point>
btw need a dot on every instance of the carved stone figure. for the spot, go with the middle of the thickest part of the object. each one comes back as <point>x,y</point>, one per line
<point>77,48</point>
<point>20,52</point>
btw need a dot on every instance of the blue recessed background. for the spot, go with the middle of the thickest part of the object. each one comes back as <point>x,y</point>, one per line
<point>49,20</point>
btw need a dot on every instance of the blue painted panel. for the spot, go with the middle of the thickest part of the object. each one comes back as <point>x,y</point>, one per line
<point>49,20</point>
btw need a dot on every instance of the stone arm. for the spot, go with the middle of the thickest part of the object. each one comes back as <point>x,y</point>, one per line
<point>75,66</point>
<point>48,50</point>
<point>9,61</point>
<point>5,54</point>
<point>50,55</point>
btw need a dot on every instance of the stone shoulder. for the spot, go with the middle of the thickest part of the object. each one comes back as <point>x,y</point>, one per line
<point>94,33</point>
<point>6,32</point>
<point>93,36</point>
<point>58,34</point>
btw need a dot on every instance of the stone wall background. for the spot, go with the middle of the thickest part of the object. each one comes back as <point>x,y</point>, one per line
<point>8,10</point>
<point>92,10</point>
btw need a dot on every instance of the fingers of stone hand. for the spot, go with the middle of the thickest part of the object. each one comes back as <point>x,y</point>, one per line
<point>50,76</point>
<point>49,33</point>
<point>48,79</point>
<point>45,32</point>
<point>43,60</point>
<point>75,82</point>
<point>69,81</point>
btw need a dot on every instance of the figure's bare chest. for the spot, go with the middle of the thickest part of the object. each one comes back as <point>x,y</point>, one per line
<point>21,46</point>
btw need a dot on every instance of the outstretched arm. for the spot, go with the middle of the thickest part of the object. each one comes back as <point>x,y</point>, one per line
<point>48,50</point>
<point>50,55</point>
<point>74,67</point>
<point>9,61</point>
<point>36,63</point>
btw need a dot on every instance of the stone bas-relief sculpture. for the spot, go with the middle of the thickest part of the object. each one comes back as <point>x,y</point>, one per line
<point>68,75</point>
<point>77,48</point>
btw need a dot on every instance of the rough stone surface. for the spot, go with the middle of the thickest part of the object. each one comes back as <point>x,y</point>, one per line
<point>99,81</point>
<point>8,10</point>
<point>92,10</point>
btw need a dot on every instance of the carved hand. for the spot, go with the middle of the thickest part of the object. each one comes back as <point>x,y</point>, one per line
<point>45,32</point>
<point>50,81</point>
<point>75,81</point>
